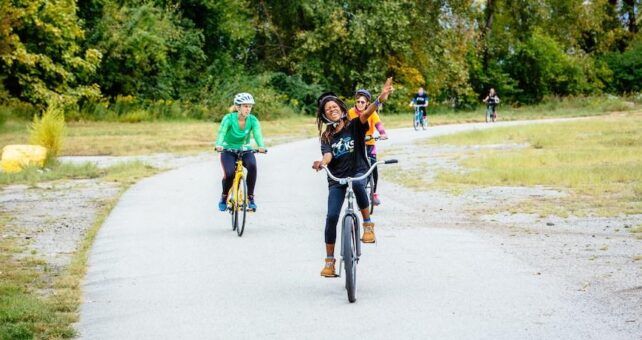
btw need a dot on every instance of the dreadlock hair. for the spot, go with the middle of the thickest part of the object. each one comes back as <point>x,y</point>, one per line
<point>330,129</point>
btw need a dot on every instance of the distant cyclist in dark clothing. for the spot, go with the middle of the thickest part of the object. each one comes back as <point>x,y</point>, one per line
<point>421,99</point>
<point>491,101</point>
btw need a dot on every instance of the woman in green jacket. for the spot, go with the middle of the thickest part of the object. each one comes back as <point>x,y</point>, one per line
<point>234,134</point>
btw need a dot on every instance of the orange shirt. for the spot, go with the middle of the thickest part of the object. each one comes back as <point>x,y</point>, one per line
<point>372,121</point>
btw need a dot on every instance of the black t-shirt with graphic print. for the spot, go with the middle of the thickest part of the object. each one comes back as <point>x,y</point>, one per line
<point>421,99</point>
<point>348,148</point>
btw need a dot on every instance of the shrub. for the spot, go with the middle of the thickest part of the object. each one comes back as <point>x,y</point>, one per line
<point>136,116</point>
<point>48,130</point>
<point>627,68</point>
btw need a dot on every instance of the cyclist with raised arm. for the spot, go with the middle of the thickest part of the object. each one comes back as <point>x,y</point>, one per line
<point>362,100</point>
<point>344,153</point>
<point>234,134</point>
<point>491,101</point>
<point>421,99</point>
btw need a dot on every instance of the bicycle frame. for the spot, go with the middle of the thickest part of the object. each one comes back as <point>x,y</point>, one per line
<point>232,202</point>
<point>350,211</point>
<point>238,174</point>
<point>418,114</point>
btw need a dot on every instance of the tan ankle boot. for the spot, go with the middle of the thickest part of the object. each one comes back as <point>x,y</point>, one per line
<point>328,268</point>
<point>368,233</point>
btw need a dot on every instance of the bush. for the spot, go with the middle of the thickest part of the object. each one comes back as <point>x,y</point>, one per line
<point>299,94</point>
<point>627,69</point>
<point>48,130</point>
<point>136,116</point>
<point>3,117</point>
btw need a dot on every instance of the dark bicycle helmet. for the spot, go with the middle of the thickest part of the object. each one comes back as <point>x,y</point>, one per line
<point>324,99</point>
<point>363,92</point>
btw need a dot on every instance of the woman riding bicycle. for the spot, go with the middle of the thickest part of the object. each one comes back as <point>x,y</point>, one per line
<point>234,134</point>
<point>344,153</point>
<point>491,101</point>
<point>362,100</point>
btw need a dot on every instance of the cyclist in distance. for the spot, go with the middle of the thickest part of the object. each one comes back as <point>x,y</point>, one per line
<point>344,153</point>
<point>421,99</point>
<point>234,133</point>
<point>362,100</point>
<point>491,101</point>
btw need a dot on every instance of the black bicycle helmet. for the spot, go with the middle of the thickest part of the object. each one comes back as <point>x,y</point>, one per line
<point>324,99</point>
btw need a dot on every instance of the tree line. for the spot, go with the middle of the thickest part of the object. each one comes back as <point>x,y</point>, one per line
<point>178,56</point>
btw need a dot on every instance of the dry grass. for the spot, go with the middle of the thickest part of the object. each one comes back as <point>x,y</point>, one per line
<point>119,139</point>
<point>599,161</point>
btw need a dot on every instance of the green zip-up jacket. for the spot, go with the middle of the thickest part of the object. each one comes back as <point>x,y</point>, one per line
<point>230,135</point>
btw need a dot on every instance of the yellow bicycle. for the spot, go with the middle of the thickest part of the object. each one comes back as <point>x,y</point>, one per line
<point>237,197</point>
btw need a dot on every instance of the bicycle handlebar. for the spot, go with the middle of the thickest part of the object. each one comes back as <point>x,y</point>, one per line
<point>240,152</point>
<point>364,176</point>
<point>378,138</point>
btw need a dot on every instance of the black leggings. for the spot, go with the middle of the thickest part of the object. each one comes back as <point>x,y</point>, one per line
<point>228,162</point>
<point>336,196</point>
<point>372,157</point>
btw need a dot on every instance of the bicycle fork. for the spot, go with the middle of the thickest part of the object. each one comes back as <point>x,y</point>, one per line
<point>347,247</point>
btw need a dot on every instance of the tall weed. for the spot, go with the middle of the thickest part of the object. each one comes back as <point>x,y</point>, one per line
<point>48,130</point>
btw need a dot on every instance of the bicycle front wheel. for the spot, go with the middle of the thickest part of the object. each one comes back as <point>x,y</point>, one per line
<point>241,206</point>
<point>350,239</point>
<point>232,208</point>
<point>415,122</point>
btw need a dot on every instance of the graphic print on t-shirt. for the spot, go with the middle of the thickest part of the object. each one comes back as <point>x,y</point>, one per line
<point>342,147</point>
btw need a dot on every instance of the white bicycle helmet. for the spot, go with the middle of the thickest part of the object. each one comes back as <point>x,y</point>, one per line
<point>243,98</point>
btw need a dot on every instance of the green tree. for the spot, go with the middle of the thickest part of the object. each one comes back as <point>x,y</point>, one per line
<point>146,52</point>
<point>41,55</point>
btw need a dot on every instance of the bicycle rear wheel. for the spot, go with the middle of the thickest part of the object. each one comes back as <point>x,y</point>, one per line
<point>232,208</point>
<point>349,252</point>
<point>241,206</point>
<point>370,187</point>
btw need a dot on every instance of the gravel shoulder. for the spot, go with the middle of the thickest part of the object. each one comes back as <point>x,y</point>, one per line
<point>593,255</point>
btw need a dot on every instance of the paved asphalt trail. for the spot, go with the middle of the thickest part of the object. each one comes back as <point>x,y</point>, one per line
<point>166,265</point>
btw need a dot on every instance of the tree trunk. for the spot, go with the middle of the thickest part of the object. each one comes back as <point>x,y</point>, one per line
<point>490,14</point>
<point>630,10</point>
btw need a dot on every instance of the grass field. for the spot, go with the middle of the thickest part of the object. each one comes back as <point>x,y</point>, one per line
<point>598,161</point>
<point>117,139</point>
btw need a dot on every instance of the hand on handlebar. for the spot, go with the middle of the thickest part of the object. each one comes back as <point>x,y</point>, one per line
<point>318,165</point>
<point>383,136</point>
<point>219,148</point>
<point>262,150</point>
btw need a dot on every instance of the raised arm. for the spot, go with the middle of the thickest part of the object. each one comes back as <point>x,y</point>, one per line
<point>387,89</point>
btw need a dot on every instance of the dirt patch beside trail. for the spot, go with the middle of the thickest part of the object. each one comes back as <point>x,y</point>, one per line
<point>594,255</point>
<point>50,219</point>
<point>54,216</point>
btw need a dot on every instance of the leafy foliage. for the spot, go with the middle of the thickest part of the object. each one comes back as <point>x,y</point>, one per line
<point>195,54</point>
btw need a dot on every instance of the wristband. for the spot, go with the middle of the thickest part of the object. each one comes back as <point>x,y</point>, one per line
<point>377,103</point>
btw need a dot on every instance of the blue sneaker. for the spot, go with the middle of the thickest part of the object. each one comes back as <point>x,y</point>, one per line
<point>252,205</point>
<point>222,204</point>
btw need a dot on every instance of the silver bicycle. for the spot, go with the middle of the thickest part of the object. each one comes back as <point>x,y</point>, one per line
<point>350,245</point>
